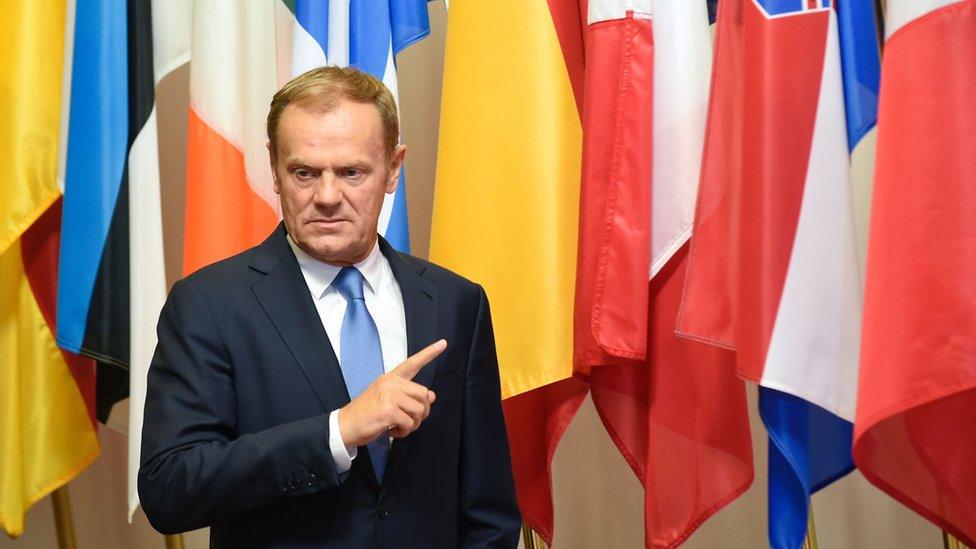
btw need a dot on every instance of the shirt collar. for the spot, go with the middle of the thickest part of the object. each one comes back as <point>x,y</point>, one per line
<point>319,274</point>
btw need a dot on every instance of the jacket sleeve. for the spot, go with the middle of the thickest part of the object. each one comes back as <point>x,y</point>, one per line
<point>488,514</point>
<point>195,469</point>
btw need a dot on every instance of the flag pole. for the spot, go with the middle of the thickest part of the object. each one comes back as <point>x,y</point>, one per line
<point>881,7</point>
<point>174,541</point>
<point>62,518</point>
<point>951,542</point>
<point>531,540</point>
<point>528,537</point>
<point>810,541</point>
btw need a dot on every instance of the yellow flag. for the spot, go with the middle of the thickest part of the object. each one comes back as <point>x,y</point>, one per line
<point>46,434</point>
<point>506,202</point>
<point>32,42</point>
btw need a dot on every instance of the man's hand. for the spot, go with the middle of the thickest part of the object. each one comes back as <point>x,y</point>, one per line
<point>392,405</point>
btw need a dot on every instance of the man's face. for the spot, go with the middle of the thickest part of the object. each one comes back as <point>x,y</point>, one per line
<point>331,173</point>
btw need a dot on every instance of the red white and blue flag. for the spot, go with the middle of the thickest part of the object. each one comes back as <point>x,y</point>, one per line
<point>774,271</point>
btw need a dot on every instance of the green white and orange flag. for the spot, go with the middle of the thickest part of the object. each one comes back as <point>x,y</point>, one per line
<point>46,395</point>
<point>230,200</point>
<point>242,53</point>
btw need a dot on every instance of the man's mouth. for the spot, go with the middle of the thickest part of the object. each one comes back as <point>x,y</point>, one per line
<point>325,222</point>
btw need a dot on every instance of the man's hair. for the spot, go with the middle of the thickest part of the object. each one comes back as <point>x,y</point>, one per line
<point>324,88</point>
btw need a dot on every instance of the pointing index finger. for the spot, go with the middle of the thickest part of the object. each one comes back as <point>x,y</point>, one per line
<point>413,364</point>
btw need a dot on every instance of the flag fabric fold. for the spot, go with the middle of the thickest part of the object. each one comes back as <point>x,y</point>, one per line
<point>93,297</point>
<point>112,268</point>
<point>167,38</point>
<point>773,271</point>
<point>916,407</point>
<point>506,208</point>
<point>615,218</point>
<point>233,76</point>
<point>46,395</point>
<point>673,407</point>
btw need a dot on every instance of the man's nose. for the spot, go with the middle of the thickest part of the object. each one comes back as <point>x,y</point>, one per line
<point>327,191</point>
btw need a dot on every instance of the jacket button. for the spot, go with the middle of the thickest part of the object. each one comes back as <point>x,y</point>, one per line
<point>285,489</point>
<point>383,512</point>
<point>312,479</point>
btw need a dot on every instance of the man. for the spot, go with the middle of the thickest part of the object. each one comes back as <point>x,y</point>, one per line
<point>282,410</point>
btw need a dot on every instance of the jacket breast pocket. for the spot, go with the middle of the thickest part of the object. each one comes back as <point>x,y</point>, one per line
<point>450,381</point>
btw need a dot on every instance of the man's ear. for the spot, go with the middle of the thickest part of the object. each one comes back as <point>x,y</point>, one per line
<point>274,160</point>
<point>396,164</point>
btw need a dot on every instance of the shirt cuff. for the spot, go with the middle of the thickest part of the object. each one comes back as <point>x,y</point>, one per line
<point>341,454</point>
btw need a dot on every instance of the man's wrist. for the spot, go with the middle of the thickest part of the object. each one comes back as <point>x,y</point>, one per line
<point>342,455</point>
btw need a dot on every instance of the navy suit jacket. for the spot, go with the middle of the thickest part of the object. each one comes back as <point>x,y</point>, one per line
<point>236,433</point>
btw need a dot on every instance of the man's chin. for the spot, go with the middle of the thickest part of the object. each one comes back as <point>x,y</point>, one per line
<point>339,251</point>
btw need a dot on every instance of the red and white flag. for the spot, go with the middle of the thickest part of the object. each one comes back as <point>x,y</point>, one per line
<point>672,406</point>
<point>914,434</point>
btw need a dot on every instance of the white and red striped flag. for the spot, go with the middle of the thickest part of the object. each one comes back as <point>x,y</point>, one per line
<point>673,407</point>
<point>913,433</point>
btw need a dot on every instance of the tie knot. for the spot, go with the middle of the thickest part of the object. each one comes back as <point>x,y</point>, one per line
<point>349,283</point>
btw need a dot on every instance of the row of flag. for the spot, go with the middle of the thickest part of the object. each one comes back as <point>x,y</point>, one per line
<point>680,225</point>
<point>81,241</point>
<point>656,218</point>
<point>609,97</point>
<point>774,269</point>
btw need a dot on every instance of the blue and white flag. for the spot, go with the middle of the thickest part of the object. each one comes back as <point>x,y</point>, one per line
<point>368,35</point>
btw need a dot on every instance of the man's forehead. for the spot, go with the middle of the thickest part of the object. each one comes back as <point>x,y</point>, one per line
<point>295,158</point>
<point>333,107</point>
<point>342,128</point>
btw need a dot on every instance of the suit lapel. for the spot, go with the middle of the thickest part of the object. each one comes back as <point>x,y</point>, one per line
<point>284,296</point>
<point>420,310</point>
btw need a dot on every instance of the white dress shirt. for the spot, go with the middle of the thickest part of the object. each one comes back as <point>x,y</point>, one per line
<point>384,303</point>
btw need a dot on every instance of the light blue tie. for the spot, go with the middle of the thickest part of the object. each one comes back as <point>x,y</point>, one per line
<point>361,356</point>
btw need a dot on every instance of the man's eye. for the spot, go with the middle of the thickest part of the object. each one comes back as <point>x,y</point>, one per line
<point>351,172</point>
<point>304,174</point>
